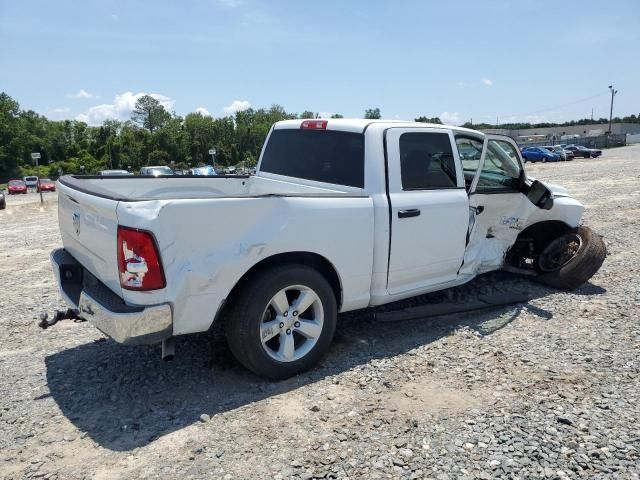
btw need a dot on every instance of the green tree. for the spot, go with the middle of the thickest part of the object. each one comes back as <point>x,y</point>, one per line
<point>158,157</point>
<point>337,115</point>
<point>149,113</point>
<point>424,119</point>
<point>372,113</point>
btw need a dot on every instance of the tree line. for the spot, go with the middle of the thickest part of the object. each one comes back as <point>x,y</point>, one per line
<point>152,136</point>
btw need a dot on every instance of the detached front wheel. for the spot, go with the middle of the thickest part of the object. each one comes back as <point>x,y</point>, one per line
<point>571,259</point>
<point>283,321</point>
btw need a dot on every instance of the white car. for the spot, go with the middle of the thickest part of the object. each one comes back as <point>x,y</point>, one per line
<point>341,215</point>
<point>107,173</point>
<point>31,181</point>
<point>157,171</point>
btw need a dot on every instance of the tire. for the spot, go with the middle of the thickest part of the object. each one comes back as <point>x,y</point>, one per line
<point>580,267</point>
<point>256,307</point>
<point>543,159</point>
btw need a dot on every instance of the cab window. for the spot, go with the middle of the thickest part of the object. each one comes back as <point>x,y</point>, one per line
<point>426,161</point>
<point>501,171</point>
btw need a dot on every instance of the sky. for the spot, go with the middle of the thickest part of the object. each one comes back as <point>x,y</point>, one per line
<point>485,61</point>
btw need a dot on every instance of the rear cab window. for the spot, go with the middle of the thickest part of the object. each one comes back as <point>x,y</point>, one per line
<point>328,156</point>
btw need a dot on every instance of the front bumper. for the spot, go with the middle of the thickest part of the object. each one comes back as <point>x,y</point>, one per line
<point>127,324</point>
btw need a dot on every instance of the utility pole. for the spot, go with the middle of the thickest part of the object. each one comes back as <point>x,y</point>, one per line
<point>109,150</point>
<point>35,157</point>
<point>613,94</point>
<point>212,152</point>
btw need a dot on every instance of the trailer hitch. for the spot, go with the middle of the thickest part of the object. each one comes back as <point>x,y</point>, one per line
<point>68,314</point>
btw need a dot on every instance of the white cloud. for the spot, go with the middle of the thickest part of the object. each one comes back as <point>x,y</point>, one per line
<point>237,106</point>
<point>203,111</point>
<point>451,118</point>
<point>487,82</point>
<point>121,108</point>
<point>82,94</point>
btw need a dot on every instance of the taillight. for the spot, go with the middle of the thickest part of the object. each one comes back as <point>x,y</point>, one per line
<point>138,260</point>
<point>314,125</point>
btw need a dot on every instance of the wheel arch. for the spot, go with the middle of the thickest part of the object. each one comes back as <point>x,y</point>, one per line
<point>534,238</point>
<point>544,231</point>
<point>314,260</point>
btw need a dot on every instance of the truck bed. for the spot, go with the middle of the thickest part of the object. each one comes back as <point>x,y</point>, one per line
<point>143,188</point>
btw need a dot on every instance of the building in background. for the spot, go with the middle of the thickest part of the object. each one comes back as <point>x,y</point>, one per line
<point>556,134</point>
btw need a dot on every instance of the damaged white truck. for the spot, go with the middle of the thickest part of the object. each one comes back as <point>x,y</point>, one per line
<point>341,215</point>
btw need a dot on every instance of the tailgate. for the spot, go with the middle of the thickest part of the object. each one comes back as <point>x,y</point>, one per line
<point>88,226</point>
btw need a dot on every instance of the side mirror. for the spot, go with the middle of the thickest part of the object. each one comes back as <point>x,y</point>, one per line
<point>540,195</point>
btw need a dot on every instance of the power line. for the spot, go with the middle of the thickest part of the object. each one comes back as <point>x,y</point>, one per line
<point>560,106</point>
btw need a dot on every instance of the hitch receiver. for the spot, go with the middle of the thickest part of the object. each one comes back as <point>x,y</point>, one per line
<point>68,314</point>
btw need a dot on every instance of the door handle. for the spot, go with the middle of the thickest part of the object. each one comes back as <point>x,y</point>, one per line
<point>412,212</point>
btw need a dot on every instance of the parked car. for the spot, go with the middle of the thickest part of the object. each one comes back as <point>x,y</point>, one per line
<point>205,170</point>
<point>266,259</point>
<point>31,181</point>
<point>45,185</point>
<point>581,151</point>
<point>16,186</point>
<point>158,171</point>
<point>115,172</point>
<point>538,154</point>
<point>3,201</point>
<point>564,154</point>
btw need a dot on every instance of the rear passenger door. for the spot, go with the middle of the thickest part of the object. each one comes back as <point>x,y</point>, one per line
<point>429,209</point>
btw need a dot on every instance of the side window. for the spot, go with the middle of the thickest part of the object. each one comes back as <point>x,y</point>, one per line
<point>501,170</point>
<point>470,152</point>
<point>426,161</point>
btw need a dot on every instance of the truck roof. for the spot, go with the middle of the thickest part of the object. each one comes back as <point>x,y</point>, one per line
<point>358,125</point>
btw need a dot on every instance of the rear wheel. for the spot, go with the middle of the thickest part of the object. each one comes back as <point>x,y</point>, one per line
<point>283,321</point>
<point>571,259</point>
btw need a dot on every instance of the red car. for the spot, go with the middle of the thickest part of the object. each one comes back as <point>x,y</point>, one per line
<point>45,185</point>
<point>16,186</point>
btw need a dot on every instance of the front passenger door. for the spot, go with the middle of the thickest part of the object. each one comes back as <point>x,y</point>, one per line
<point>500,208</point>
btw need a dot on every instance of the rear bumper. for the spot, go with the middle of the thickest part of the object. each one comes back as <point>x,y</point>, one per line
<point>127,324</point>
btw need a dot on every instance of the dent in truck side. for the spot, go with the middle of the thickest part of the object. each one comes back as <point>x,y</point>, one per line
<point>221,240</point>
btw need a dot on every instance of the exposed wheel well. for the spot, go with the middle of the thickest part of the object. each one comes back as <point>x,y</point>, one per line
<point>318,262</point>
<point>533,239</point>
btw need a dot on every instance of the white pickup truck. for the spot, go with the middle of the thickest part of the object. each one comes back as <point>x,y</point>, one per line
<point>341,215</point>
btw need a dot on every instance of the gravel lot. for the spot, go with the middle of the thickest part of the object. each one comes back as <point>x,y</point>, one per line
<point>547,389</point>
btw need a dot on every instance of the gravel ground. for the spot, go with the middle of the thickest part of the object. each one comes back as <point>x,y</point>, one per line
<point>547,389</point>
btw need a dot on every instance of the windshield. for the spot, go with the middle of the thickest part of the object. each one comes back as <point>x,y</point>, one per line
<point>30,179</point>
<point>16,182</point>
<point>47,180</point>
